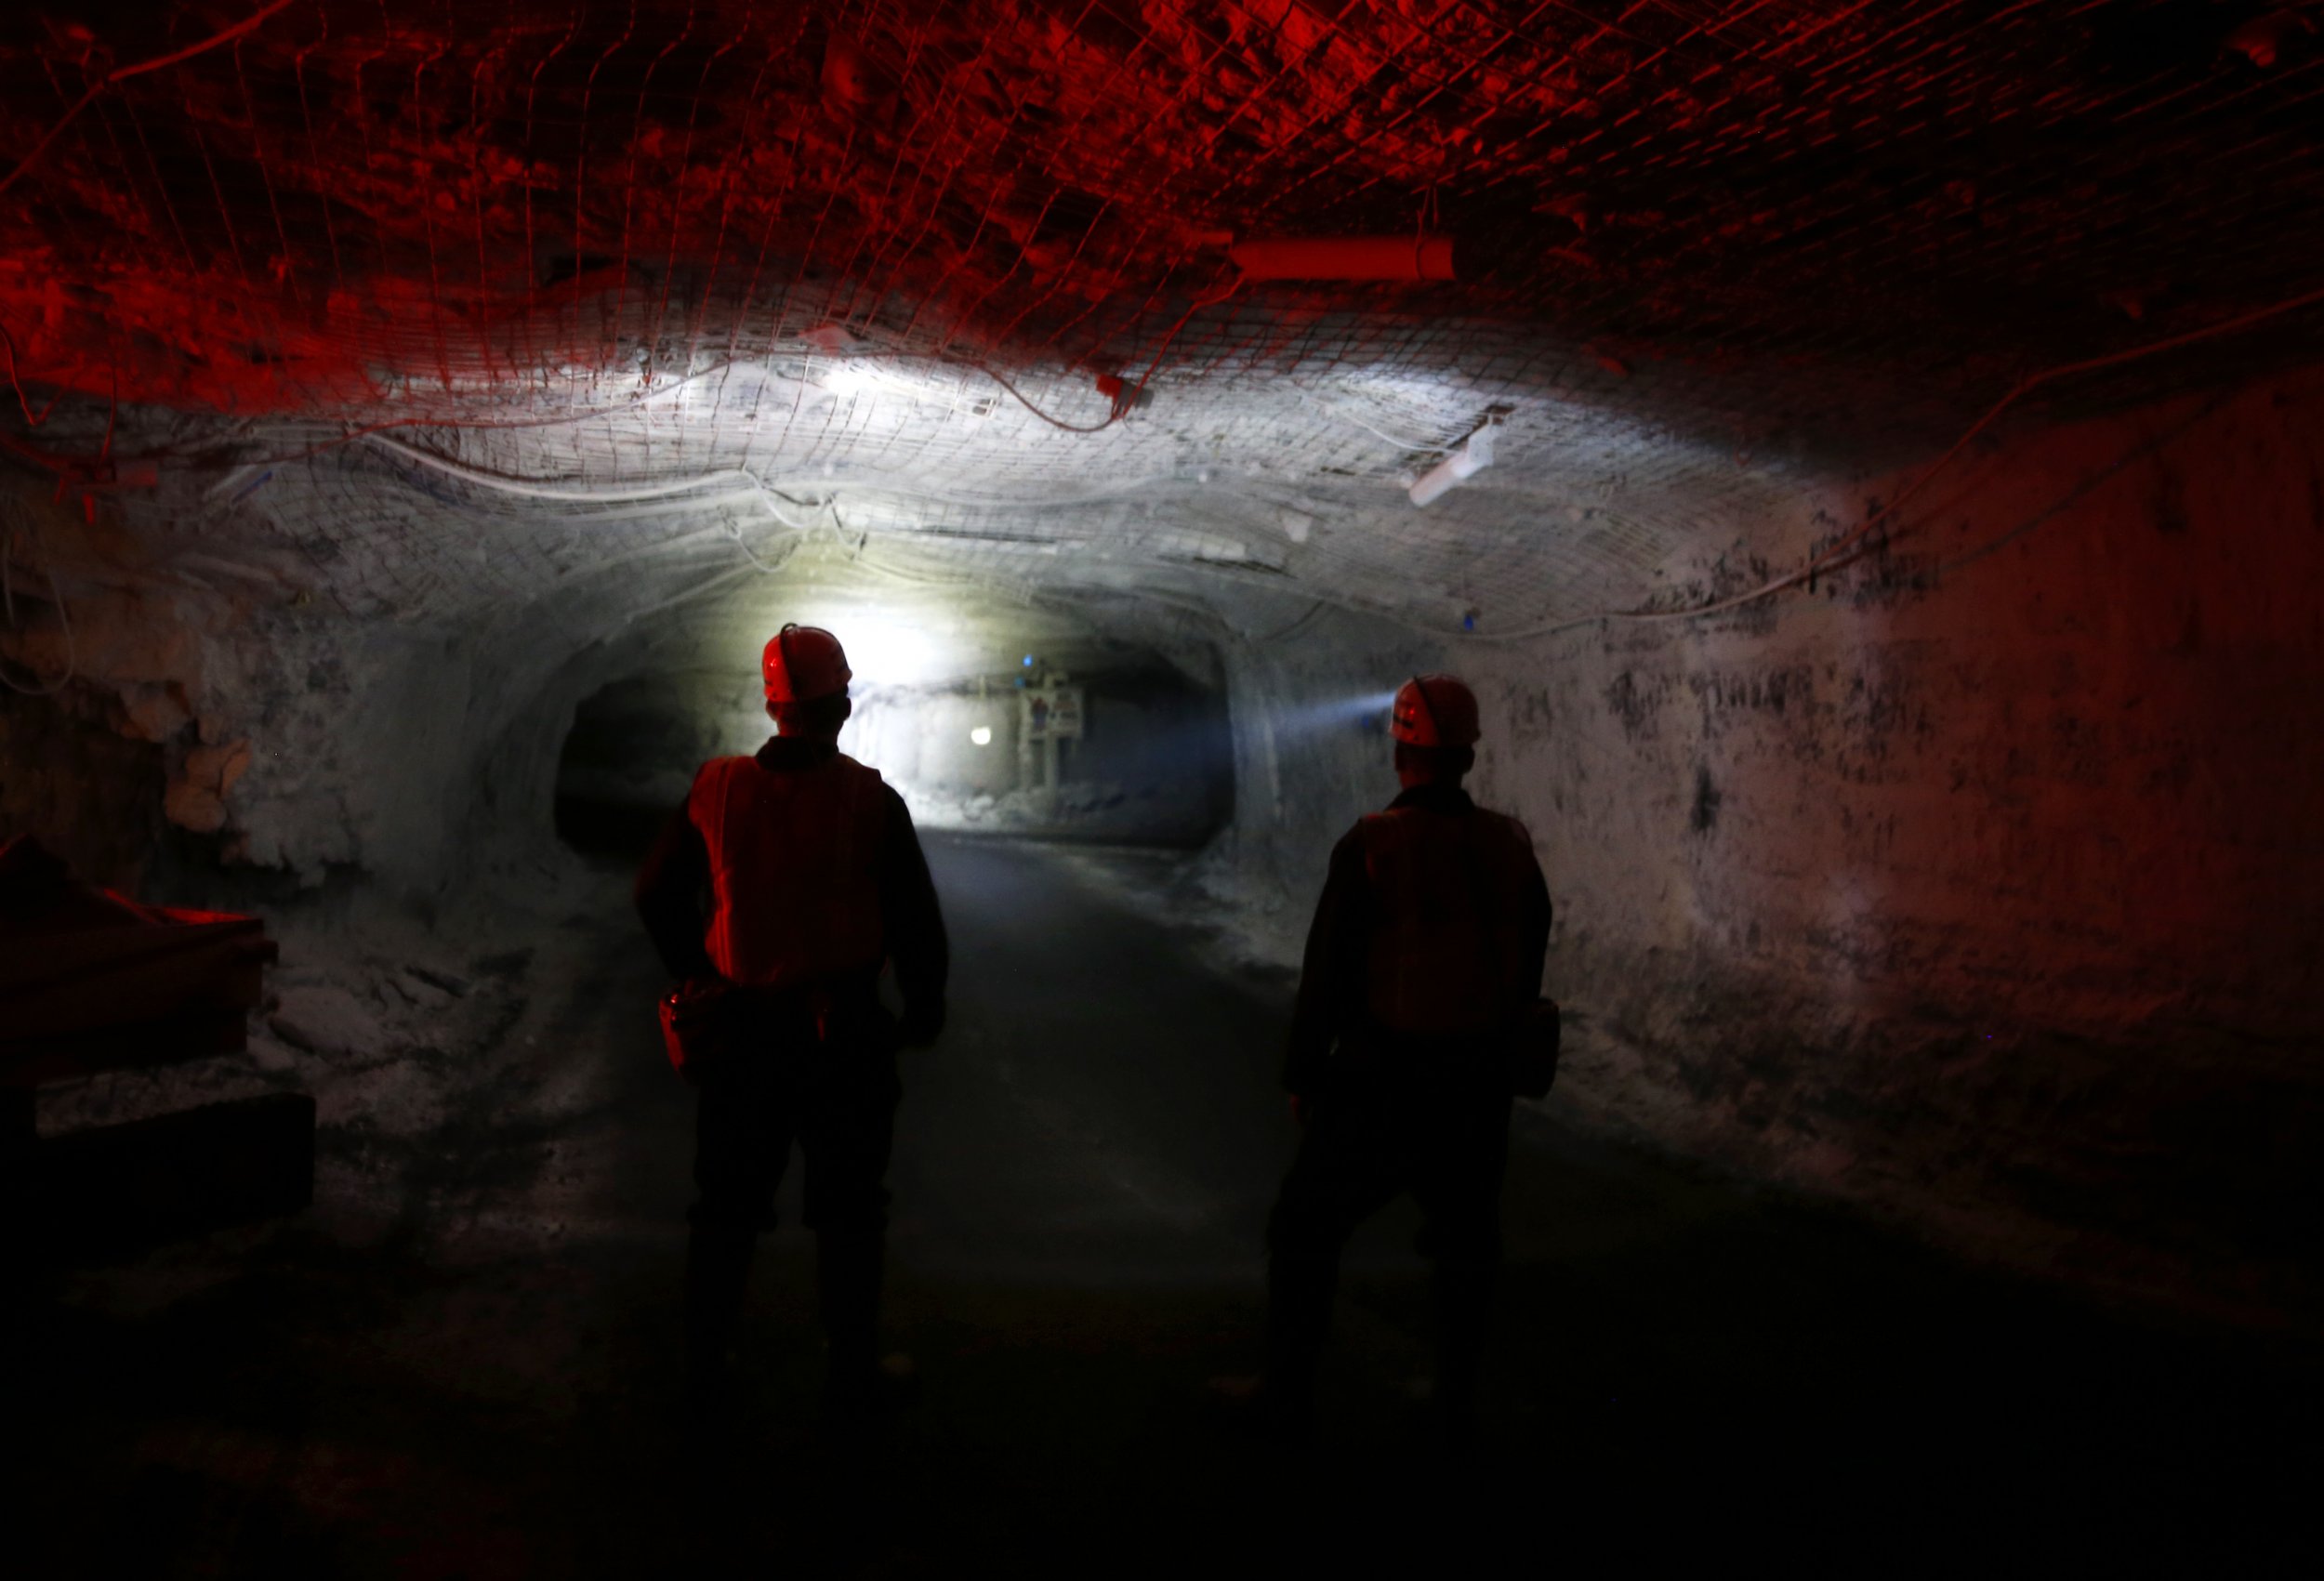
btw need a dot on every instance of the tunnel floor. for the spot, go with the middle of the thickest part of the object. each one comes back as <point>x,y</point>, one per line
<point>467,1363</point>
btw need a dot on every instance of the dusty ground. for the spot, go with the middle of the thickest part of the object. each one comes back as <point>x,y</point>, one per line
<point>462,1360</point>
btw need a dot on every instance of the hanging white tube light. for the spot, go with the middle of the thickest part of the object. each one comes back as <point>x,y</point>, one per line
<point>1473,457</point>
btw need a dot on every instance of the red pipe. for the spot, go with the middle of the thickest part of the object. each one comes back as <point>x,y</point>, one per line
<point>1346,258</point>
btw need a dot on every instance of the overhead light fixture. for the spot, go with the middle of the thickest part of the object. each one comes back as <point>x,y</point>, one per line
<point>1473,457</point>
<point>981,735</point>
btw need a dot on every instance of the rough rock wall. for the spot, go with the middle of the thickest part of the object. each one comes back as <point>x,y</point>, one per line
<point>1982,884</point>
<point>1312,754</point>
<point>72,778</point>
<point>1977,885</point>
<point>115,723</point>
<point>265,729</point>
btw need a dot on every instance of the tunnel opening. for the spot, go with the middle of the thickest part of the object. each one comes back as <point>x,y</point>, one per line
<point>1122,748</point>
<point>629,756</point>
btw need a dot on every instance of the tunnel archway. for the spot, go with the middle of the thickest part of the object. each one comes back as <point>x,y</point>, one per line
<point>1030,728</point>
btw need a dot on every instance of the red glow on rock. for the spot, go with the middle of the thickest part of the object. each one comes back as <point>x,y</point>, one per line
<point>343,206</point>
<point>1346,259</point>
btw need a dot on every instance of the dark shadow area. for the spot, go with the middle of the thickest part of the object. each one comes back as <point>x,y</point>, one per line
<point>610,831</point>
<point>482,1381</point>
<point>632,751</point>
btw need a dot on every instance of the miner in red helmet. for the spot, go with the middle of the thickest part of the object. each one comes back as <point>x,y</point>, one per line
<point>780,891</point>
<point>1423,962</point>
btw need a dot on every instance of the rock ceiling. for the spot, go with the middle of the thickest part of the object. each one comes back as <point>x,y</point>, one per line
<point>461,302</point>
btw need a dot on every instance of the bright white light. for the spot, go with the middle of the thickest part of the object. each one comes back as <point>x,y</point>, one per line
<point>886,653</point>
<point>862,377</point>
<point>981,735</point>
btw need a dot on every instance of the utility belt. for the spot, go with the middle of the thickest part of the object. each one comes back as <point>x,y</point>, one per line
<point>1519,1060</point>
<point>707,1021</point>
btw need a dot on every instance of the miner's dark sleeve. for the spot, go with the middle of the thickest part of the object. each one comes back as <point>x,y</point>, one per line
<point>1331,976</point>
<point>914,923</point>
<point>672,896</point>
<point>1538,917</point>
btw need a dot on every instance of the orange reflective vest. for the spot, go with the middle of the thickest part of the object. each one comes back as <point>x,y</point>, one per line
<point>794,868</point>
<point>1447,935</point>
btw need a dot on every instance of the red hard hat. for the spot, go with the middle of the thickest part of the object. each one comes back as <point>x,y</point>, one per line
<point>803,663</point>
<point>1434,710</point>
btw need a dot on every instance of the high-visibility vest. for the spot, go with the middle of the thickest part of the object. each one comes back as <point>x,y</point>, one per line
<point>1449,952</point>
<point>794,868</point>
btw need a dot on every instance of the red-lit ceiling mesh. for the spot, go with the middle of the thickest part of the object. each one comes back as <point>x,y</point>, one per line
<point>356,193</point>
<point>1751,226</point>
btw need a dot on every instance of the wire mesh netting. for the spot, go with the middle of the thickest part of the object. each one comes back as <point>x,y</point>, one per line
<point>954,285</point>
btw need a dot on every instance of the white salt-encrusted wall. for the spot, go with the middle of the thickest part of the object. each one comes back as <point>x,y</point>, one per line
<point>1982,886</point>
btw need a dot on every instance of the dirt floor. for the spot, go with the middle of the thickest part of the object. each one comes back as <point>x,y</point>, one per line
<point>463,1360</point>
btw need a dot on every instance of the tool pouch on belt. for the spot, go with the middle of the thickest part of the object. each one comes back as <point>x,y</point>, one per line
<point>1533,1050</point>
<point>701,1023</point>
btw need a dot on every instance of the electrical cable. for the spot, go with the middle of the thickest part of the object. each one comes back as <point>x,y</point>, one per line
<point>566,420</point>
<point>64,618</point>
<point>755,490</point>
<point>1293,629</point>
<point>527,490</point>
<point>373,430</point>
<point>1124,403</point>
<point>734,530</point>
<point>768,490</point>
<point>62,468</point>
<point>7,343</point>
<point>569,419</point>
<point>1027,402</point>
<point>119,73</point>
<point>61,463</point>
<point>1823,559</point>
<point>1328,410</point>
<point>1826,557</point>
<point>691,594</point>
<point>1136,489</point>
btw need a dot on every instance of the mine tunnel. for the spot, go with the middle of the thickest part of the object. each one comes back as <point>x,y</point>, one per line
<point>1861,462</point>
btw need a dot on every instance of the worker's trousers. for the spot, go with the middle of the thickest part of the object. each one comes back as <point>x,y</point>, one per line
<point>1362,1148</point>
<point>836,1101</point>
